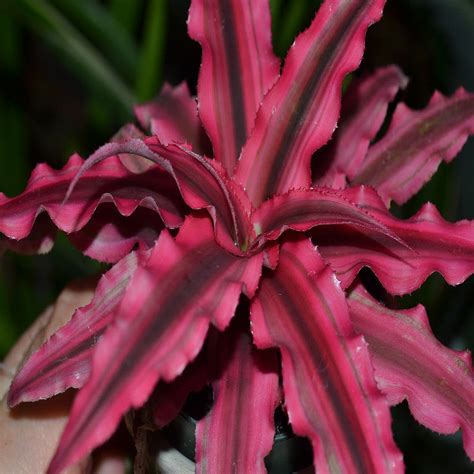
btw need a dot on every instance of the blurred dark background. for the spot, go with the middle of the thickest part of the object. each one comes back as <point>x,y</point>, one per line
<point>70,71</point>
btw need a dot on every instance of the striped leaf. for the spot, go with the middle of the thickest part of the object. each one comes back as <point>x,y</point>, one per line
<point>110,181</point>
<point>434,245</point>
<point>330,393</point>
<point>245,397</point>
<point>411,363</point>
<point>364,107</point>
<point>64,360</point>
<point>300,113</point>
<point>238,67</point>
<point>415,144</point>
<point>158,329</point>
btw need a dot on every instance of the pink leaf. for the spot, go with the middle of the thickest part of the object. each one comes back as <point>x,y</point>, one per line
<point>330,393</point>
<point>109,236</point>
<point>173,118</point>
<point>416,142</point>
<point>245,398</point>
<point>108,182</point>
<point>238,67</point>
<point>132,162</point>
<point>201,182</point>
<point>364,107</point>
<point>304,209</point>
<point>40,239</point>
<point>300,112</point>
<point>410,363</point>
<point>158,329</point>
<point>64,360</point>
<point>434,246</point>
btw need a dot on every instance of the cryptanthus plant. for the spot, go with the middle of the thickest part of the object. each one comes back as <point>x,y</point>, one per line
<point>190,236</point>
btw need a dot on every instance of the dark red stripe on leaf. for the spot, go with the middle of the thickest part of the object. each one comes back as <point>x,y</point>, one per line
<point>109,181</point>
<point>416,142</point>
<point>159,327</point>
<point>238,67</point>
<point>410,363</point>
<point>330,394</point>
<point>363,111</point>
<point>300,113</point>
<point>434,245</point>
<point>64,360</point>
<point>245,398</point>
<point>204,184</point>
<point>303,210</point>
<point>201,182</point>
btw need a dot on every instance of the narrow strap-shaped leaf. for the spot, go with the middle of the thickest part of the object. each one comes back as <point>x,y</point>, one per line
<point>304,209</point>
<point>201,182</point>
<point>158,329</point>
<point>238,67</point>
<point>434,245</point>
<point>173,117</point>
<point>110,181</point>
<point>299,114</point>
<point>64,360</point>
<point>363,111</point>
<point>416,142</point>
<point>411,363</point>
<point>328,383</point>
<point>245,398</point>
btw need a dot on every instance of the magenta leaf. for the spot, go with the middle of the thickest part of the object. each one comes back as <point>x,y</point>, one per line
<point>64,360</point>
<point>201,182</point>
<point>238,431</point>
<point>108,182</point>
<point>158,329</point>
<point>300,112</point>
<point>40,239</point>
<point>411,363</point>
<point>304,209</point>
<point>132,162</point>
<point>169,398</point>
<point>364,107</point>
<point>434,245</point>
<point>328,383</point>
<point>173,118</point>
<point>109,236</point>
<point>238,67</point>
<point>416,142</point>
<point>204,185</point>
